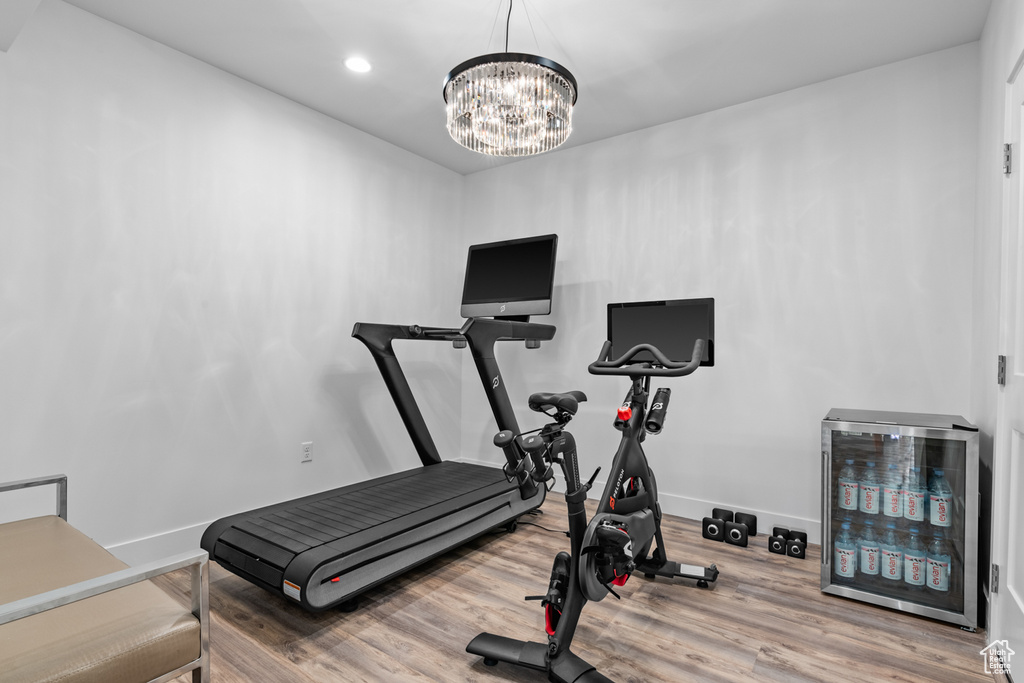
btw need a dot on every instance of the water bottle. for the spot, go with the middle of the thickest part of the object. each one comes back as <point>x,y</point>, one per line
<point>940,500</point>
<point>938,563</point>
<point>892,554</point>
<point>914,561</point>
<point>870,553</point>
<point>913,496</point>
<point>869,490</point>
<point>845,553</point>
<point>848,487</point>
<point>892,492</point>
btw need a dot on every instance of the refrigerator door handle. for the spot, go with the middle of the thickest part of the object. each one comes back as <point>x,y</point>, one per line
<point>826,494</point>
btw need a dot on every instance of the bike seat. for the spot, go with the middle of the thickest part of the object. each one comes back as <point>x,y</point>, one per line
<point>567,402</point>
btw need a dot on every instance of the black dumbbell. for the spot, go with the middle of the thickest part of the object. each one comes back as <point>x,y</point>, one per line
<point>790,542</point>
<point>777,541</point>
<point>723,514</point>
<point>713,528</point>
<point>749,520</point>
<point>736,534</point>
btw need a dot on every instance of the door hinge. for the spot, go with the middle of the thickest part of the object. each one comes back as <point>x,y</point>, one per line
<point>1007,159</point>
<point>1001,371</point>
<point>993,584</point>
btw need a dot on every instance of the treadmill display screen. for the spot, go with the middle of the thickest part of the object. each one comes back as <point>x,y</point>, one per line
<point>670,326</point>
<point>514,278</point>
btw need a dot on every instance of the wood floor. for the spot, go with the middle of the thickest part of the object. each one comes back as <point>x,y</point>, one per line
<point>765,620</point>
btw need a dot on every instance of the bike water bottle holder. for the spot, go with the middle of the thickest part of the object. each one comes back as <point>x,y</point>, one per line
<point>513,474</point>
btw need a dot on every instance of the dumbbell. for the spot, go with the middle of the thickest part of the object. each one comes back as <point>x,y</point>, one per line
<point>796,548</point>
<point>789,542</point>
<point>713,527</point>
<point>749,520</point>
<point>736,534</point>
<point>723,525</point>
<point>744,526</point>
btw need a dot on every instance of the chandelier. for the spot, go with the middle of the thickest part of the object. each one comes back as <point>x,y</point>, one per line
<point>509,104</point>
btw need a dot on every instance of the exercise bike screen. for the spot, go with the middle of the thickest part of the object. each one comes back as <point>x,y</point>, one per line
<point>671,326</point>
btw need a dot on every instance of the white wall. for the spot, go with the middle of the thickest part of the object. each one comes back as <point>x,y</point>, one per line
<point>833,226</point>
<point>182,258</point>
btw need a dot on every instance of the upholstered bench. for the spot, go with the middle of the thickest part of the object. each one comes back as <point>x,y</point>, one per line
<point>70,612</point>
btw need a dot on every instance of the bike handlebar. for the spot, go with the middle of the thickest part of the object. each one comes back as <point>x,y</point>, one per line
<point>623,365</point>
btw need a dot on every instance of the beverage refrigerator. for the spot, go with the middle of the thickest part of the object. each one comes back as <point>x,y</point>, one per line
<point>900,512</point>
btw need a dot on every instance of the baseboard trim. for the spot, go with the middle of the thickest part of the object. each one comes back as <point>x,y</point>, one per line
<point>158,546</point>
<point>696,509</point>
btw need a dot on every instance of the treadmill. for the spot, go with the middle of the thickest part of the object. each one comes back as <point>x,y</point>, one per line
<point>325,549</point>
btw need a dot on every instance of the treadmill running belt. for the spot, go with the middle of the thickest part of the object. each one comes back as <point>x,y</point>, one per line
<point>306,523</point>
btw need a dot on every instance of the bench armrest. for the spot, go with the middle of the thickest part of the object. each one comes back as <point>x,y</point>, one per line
<point>61,480</point>
<point>198,561</point>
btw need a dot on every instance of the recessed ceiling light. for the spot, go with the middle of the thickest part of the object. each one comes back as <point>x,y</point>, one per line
<point>357,64</point>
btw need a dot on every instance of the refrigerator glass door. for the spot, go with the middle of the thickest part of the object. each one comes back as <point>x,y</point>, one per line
<point>899,519</point>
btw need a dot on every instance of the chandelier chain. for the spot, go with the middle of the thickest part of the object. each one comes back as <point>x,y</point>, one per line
<point>507,20</point>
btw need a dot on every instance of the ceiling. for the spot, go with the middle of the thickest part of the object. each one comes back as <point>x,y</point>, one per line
<point>638,63</point>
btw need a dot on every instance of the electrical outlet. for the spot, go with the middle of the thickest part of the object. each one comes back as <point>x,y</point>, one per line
<point>307,451</point>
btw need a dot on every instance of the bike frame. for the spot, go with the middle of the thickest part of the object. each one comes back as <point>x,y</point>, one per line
<point>629,462</point>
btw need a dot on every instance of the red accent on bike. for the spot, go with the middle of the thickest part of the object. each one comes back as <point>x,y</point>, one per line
<point>620,580</point>
<point>336,579</point>
<point>611,502</point>
<point>548,625</point>
<point>625,412</point>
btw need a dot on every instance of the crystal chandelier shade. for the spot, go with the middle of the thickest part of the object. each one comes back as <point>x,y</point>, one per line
<point>510,104</point>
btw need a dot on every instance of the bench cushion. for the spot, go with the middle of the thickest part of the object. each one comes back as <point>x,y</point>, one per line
<point>135,633</point>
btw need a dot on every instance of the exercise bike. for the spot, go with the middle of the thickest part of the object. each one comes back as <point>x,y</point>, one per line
<point>617,541</point>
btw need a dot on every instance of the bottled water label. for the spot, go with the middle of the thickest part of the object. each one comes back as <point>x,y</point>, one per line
<point>846,562</point>
<point>892,501</point>
<point>941,510</point>
<point>914,569</point>
<point>938,574</point>
<point>892,564</point>
<point>869,498</point>
<point>847,494</point>
<point>914,501</point>
<point>869,556</point>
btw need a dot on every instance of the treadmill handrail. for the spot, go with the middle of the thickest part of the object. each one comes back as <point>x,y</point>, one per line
<point>377,338</point>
